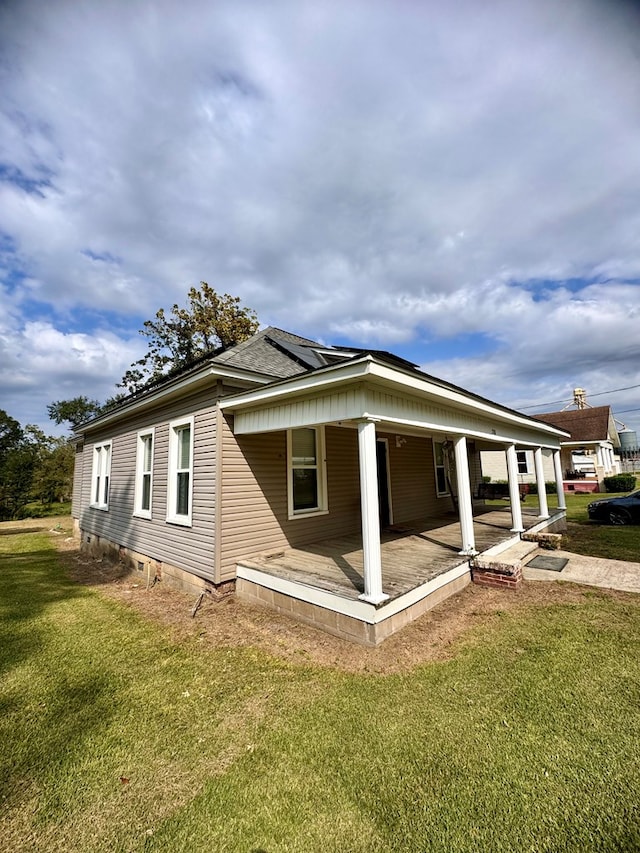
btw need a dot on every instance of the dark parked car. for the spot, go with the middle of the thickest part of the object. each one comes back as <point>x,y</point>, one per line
<point>624,510</point>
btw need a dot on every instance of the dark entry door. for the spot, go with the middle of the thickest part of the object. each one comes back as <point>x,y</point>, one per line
<point>383,483</point>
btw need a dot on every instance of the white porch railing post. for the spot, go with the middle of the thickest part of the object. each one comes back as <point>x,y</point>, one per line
<point>542,492</point>
<point>370,513</point>
<point>557,467</point>
<point>465,506</point>
<point>514,491</point>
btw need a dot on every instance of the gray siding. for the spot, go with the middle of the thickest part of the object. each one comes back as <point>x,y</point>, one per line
<point>413,479</point>
<point>240,490</point>
<point>78,469</point>
<point>188,548</point>
<point>254,514</point>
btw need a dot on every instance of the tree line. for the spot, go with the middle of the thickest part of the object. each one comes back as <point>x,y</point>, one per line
<point>33,467</point>
<point>37,467</point>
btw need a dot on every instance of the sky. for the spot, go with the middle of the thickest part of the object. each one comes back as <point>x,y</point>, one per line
<point>458,183</point>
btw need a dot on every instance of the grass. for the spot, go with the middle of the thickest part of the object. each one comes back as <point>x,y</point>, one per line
<point>598,540</point>
<point>587,537</point>
<point>115,736</point>
<point>36,509</point>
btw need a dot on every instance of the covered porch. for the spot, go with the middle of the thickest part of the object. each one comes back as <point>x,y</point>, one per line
<point>369,584</point>
<point>412,554</point>
<point>323,583</point>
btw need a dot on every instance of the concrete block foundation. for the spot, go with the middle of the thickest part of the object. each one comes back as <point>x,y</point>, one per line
<point>385,620</point>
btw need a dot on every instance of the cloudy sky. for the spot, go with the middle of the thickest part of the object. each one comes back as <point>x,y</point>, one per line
<point>456,182</point>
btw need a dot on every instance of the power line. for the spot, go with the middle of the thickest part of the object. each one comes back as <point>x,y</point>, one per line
<point>597,394</point>
<point>624,411</point>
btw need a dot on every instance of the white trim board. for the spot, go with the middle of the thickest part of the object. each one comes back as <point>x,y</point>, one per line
<point>355,608</point>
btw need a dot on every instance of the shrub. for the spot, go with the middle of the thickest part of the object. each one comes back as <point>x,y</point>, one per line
<point>620,483</point>
<point>549,487</point>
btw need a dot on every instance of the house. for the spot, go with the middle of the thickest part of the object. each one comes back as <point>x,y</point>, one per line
<point>587,453</point>
<point>336,484</point>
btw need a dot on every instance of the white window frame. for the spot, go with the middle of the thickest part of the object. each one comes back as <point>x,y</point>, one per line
<point>141,473</point>
<point>446,492</point>
<point>101,474</point>
<point>173,471</point>
<point>522,455</point>
<point>322,507</point>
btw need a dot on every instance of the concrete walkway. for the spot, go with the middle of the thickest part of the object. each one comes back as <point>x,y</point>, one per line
<point>594,571</point>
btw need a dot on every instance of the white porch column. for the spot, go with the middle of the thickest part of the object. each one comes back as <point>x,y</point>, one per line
<point>599,460</point>
<point>465,506</point>
<point>557,468</point>
<point>370,513</point>
<point>542,492</point>
<point>514,491</point>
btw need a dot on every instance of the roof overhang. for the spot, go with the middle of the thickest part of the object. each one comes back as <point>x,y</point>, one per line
<point>191,382</point>
<point>338,393</point>
<point>595,442</point>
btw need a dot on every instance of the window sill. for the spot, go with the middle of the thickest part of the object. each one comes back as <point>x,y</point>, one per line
<point>180,520</point>
<point>142,514</point>
<point>101,507</point>
<point>307,513</point>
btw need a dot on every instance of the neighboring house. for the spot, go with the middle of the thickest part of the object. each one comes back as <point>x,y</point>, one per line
<point>591,448</point>
<point>283,449</point>
<point>587,454</point>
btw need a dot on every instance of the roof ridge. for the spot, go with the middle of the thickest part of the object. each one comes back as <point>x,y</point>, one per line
<point>303,340</point>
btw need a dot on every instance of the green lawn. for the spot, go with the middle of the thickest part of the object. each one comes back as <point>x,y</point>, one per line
<point>114,736</point>
<point>598,540</point>
<point>587,537</point>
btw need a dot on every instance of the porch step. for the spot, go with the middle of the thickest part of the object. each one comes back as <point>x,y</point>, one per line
<point>518,551</point>
<point>503,569</point>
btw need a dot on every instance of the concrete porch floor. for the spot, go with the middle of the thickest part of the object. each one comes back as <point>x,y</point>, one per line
<point>413,553</point>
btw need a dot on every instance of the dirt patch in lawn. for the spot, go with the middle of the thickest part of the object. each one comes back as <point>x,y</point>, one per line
<point>234,623</point>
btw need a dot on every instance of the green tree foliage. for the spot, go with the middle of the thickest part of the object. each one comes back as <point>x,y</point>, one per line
<point>33,466</point>
<point>16,466</point>
<point>75,411</point>
<point>177,340</point>
<point>53,469</point>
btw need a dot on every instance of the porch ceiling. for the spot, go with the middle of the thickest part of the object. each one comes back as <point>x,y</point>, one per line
<point>412,554</point>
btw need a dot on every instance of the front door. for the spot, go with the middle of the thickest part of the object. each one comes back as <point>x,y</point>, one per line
<point>384,503</point>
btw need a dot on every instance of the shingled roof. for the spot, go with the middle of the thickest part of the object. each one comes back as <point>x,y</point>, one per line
<point>272,351</point>
<point>592,424</point>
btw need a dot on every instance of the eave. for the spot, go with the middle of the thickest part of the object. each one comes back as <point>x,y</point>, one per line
<point>368,368</point>
<point>172,389</point>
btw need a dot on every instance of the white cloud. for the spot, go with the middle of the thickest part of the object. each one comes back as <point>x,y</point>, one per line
<point>40,364</point>
<point>384,172</point>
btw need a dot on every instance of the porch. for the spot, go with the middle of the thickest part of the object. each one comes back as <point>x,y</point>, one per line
<point>323,583</point>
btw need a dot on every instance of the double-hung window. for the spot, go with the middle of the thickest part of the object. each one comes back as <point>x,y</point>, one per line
<point>523,467</point>
<point>307,471</point>
<point>144,473</point>
<point>180,485</point>
<point>440,462</point>
<point>100,475</point>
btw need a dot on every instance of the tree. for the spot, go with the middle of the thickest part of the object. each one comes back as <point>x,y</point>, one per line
<point>176,341</point>
<point>54,459</point>
<point>11,433</point>
<point>75,411</point>
<point>33,466</point>
<point>16,466</point>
